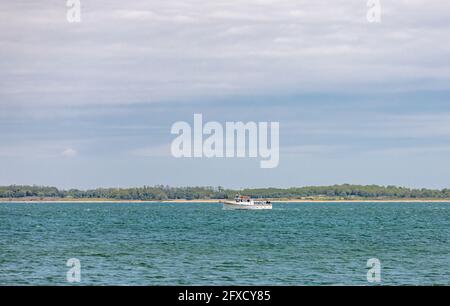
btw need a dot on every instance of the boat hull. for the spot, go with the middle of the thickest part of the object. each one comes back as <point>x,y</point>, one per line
<point>234,206</point>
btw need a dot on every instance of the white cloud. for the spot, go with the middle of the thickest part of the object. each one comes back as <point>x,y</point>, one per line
<point>69,152</point>
<point>36,150</point>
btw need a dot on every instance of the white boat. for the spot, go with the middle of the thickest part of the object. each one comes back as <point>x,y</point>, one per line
<point>244,202</point>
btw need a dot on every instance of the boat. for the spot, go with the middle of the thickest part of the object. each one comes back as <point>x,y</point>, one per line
<point>245,202</point>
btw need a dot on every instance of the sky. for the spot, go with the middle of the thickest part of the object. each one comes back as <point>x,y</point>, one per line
<point>91,104</point>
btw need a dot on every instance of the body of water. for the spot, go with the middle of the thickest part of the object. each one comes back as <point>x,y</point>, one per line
<point>200,244</point>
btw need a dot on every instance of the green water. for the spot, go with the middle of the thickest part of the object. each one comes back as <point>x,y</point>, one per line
<point>200,244</point>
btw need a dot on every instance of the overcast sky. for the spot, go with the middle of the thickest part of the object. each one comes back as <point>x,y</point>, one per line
<point>91,104</point>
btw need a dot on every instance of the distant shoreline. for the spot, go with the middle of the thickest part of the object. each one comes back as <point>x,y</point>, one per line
<point>209,194</point>
<point>211,201</point>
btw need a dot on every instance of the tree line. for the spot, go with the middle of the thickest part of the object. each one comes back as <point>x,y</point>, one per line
<point>160,192</point>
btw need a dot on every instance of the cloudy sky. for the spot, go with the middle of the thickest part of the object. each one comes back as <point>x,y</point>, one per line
<point>91,104</point>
